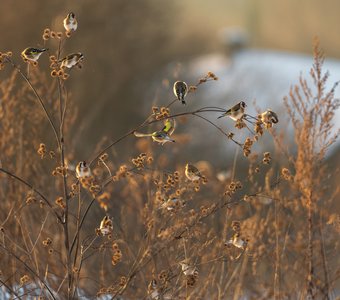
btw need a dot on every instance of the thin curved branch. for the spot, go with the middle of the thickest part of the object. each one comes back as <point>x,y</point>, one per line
<point>49,118</point>
<point>32,188</point>
<point>219,128</point>
<point>81,223</point>
<point>10,289</point>
<point>145,123</point>
<point>30,270</point>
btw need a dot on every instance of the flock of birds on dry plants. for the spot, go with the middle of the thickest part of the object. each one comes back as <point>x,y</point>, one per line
<point>237,113</point>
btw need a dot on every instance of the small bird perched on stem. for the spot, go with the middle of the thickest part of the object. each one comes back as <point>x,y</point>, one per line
<point>106,226</point>
<point>236,112</point>
<point>160,137</point>
<point>71,60</point>
<point>180,90</point>
<point>192,173</point>
<point>237,241</point>
<point>269,116</point>
<point>82,170</point>
<point>32,54</point>
<point>70,22</point>
<point>187,269</point>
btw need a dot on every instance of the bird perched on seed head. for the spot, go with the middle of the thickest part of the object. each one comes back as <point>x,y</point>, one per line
<point>269,117</point>
<point>70,22</point>
<point>106,226</point>
<point>172,203</point>
<point>158,136</point>
<point>82,170</point>
<point>187,269</point>
<point>236,112</point>
<point>237,241</point>
<point>192,173</point>
<point>32,54</point>
<point>71,60</point>
<point>180,90</point>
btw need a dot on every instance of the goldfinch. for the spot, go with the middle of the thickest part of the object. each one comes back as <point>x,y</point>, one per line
<point>192,173</point>
<point>71,60</point>
<point>172,203</point>
<point>82,170</point>
<point>269,117</point>
<point>237,241</point>
<point>70,22</point>
<point>153,290</point>
<point>180,90</point>
<point>236,112</point>
<point>106,226</point>
<point>187,269</point>
<point>32,54</point>
<point>157,136</point>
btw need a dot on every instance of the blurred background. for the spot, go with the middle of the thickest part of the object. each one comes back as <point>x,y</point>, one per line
<point>135,51</point>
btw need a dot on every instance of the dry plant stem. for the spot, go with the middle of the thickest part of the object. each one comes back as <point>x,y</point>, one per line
<point>225,229</point>
<point>65,221</point>
<point>277,256</point>
<point>217,127</point>
<point>62,163</point>
<point>38,98</point>
<point>81,223</point>
<point>33,189</point>
<point>310,222</point>
<point>324,260</point>
<point>241,277</point>
<point>75,280</point>
<point>29,269</point>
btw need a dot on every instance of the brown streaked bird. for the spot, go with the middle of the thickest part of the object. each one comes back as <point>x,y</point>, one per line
<point>82,170</point>
<point>71,60</point>
<point>70,22</point>
<point>192,173</point>
<point>180,90</point>
<point>32,54</point>
<point>236,112</point>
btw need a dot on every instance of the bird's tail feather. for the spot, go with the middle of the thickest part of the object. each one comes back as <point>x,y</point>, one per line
<point>139,134</point>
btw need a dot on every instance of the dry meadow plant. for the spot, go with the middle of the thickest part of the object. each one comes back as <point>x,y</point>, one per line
<point>145,228</point>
